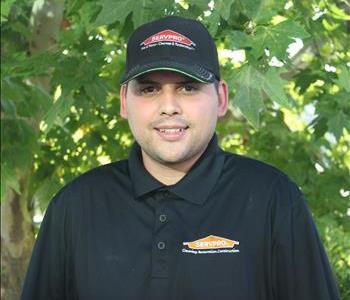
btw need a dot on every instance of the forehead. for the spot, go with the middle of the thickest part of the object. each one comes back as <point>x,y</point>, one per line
<point>163,77</point>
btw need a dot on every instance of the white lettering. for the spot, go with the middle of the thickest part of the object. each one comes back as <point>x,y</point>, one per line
<point>166,37</point>
<point>218,251</point>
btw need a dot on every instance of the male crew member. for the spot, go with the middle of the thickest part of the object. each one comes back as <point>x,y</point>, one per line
<point>180,218</point>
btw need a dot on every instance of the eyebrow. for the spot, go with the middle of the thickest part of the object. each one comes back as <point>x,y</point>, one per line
<point>149,81</point>
<point>145,81</point>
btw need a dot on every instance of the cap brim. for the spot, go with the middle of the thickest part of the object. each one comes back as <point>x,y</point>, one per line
<point>193,71</point>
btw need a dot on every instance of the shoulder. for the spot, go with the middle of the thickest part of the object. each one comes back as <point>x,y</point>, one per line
<point>255,175</point>
<point>250,168</point>
<point>95,182</point>
<point>103,174</point>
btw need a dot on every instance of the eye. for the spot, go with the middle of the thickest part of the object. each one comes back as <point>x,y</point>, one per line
<point>148,90</point>
<point>189,87</point>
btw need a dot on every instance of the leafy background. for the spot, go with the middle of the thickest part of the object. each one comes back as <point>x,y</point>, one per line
<point>287,64</point>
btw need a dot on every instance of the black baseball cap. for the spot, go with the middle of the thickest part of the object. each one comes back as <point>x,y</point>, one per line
<point>175,44</point>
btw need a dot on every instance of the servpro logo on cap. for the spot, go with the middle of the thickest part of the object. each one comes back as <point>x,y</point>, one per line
<point>168,38</point>
<point>210,245</point>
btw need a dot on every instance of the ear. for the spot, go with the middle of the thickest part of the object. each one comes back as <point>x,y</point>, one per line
<point>223,98</point>
<point>122,95</point>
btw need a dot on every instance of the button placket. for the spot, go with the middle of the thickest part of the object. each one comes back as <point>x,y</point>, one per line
<point>160,253</point>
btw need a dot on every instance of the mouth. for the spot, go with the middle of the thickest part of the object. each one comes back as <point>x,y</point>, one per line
<point>172,130</point>
<point>171,133</point>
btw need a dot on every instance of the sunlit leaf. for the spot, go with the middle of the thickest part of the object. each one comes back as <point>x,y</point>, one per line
<point>58,111</point>
<point>277,38</point>
<point>338,13</point>
<point>344,78</point>
<point>5,9</point>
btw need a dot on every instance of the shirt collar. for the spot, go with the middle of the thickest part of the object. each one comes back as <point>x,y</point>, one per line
<point>194,187</point>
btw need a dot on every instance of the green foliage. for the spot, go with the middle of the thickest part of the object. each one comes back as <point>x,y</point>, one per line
<point>250,84</point>
<point>291,110</point>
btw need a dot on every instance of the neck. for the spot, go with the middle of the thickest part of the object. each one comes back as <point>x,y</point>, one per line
<point>168,174</point>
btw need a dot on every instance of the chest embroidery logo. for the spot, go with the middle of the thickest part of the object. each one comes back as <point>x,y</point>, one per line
<point>211,244</point>
<point>168,38</point>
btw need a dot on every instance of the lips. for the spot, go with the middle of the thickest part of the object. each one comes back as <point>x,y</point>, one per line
<point>171,133</point>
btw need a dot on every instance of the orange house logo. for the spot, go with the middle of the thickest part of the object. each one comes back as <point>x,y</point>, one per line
<point>211,242</point>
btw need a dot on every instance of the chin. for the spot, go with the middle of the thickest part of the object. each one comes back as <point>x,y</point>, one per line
<point>171,159</point>
<point>168,157</point>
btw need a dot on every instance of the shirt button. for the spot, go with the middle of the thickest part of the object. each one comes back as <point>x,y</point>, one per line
<point>161,245</point>
<point>162,218</point>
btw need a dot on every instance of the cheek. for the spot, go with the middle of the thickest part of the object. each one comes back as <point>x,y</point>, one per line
<point>204,111</point>
<point>139,113</point>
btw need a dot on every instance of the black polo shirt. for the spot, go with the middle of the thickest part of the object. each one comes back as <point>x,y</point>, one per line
<point>232,228</point>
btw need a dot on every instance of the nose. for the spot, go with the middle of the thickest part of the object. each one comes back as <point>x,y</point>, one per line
<point>169,103</point>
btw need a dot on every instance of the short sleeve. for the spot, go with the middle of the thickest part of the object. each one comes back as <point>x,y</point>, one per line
<point>301,269</point>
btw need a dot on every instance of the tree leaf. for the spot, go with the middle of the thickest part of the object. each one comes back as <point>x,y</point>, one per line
<point>8,106</point>
<point>46,191</point>
<point>305,79</point>
<point>21,99</point>
<point>337,123</point>
<point>261,11</point>
<point>248,97</point>
<point>249,101</point>
<point>343,100</point>
<point>22,29</point>
<point>97,90</point>
<point>224,8</point>
<point>10,94</point>
<point>344,78</point>
<point>88,12</point>
<point>238,40</point>
<point>113,11</point>
<point>74,72</point>
<point>201,4</point>
<point>9,178</point>
<point>5,9</point>
<point>277,38</point>
<point>59,110</point>
<point>320,126</point>
<point>18,132</point>
<point>12,91</point>
<point>272,85</point>
<point>338,13</point>
<point>214,21</point>
<point>117,11</point>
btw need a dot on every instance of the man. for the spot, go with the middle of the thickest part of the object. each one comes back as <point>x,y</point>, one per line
<point>180,219</point>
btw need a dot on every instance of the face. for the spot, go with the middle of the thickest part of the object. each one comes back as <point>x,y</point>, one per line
<point>171,116</point>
